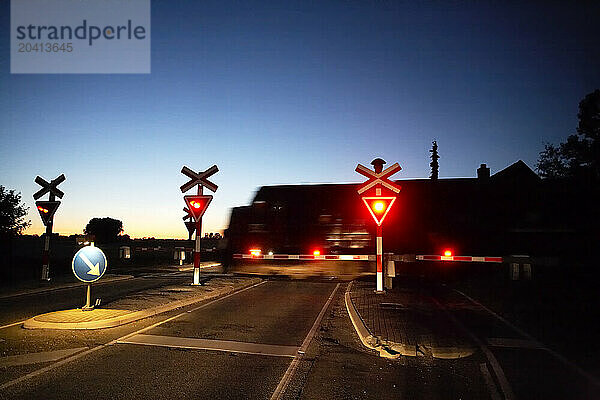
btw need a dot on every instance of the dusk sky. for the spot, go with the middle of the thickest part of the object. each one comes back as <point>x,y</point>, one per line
<point>295,93</point>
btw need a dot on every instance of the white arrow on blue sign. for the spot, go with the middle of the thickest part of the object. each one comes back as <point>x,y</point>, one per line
<point>89,264</point>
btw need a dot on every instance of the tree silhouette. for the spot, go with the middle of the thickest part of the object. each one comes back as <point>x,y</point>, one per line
<point>551,164</point>
<point>12,212</point>
<point>579,156</point>
<point>105,229</point>
<point>435,166</point>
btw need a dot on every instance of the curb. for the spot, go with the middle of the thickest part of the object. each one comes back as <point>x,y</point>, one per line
<point>393,350</point>
<point>367,339</point>
<point>65,286</point>
<point>130,317</point>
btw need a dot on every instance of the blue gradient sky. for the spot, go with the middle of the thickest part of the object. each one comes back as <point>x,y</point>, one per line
<point>295,93</point>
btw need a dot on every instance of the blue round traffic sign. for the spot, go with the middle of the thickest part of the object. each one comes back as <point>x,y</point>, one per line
<point>89,264</point>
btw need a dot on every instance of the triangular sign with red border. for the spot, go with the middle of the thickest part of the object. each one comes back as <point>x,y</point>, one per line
<point>47,210</point>
<point>197,204</point>
<point>379,207</point>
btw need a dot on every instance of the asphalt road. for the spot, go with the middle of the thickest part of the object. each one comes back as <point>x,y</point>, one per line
<point>269,321</point>
<point>525,367</point>
<point>259,342</point>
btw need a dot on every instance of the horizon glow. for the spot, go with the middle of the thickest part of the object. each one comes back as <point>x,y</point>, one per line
<point>292,94</point>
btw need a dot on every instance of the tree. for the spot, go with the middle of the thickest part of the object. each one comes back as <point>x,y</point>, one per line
<point>12,212</point>
<point>551,163</point>
<point>579,156</point>
<point>435,166</point>
<point>105,229</point>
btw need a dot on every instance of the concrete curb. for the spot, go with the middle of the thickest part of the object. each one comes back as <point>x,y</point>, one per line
<point>393,350</point>
<point>367,339</point>
<point>65,286</point>
<point>32,323</point>
<point>361,329</point>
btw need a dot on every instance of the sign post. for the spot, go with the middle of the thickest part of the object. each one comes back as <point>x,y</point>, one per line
<point>197,205</point>
<point>47,209</point>
<point>379,205</point>
<point>89,264</point>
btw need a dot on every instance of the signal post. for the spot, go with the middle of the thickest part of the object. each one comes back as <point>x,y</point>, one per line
<point>196,206</point>
<point>379,205</point>
<point>47,209</point>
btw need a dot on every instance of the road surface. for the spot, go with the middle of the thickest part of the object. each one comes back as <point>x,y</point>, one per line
<point>278,339</point>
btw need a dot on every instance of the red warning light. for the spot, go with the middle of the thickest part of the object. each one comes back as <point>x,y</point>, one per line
<point>47,210</point>
<point>197,205</point>
<point>379,207</point>
<point>447,253</point>
<point>255,252</point>
<point>316,253</point>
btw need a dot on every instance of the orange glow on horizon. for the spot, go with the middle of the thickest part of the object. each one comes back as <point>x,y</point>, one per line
<point>138,224</point>
<point>174,233</point>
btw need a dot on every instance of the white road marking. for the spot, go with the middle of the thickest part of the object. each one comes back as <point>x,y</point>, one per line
<point>515,343</point>
<point>35,358</point>
<point>210,344</point>
<point>102,346</point>
<point>13,324</point>
<point>487,377</point>
<point>287,377</point>
<point>568,363</point>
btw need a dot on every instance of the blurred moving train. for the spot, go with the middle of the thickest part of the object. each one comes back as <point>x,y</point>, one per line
<point>510,212</point>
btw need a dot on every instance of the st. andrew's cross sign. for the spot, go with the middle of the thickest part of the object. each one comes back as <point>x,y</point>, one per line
<point>197,205</point>
<point>379,205</point>
<point>47,209</point>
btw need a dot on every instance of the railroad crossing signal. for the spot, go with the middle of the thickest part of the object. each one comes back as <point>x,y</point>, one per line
<point>379,207</point>
<point>47,210</point>
<point>49,187</point>
<point>200,178</point>
<point>197,205</point>
<point>378,178</point>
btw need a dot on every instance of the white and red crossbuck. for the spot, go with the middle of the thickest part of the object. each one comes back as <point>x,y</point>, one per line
<point>380,178</point>
<point>379,206</point>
